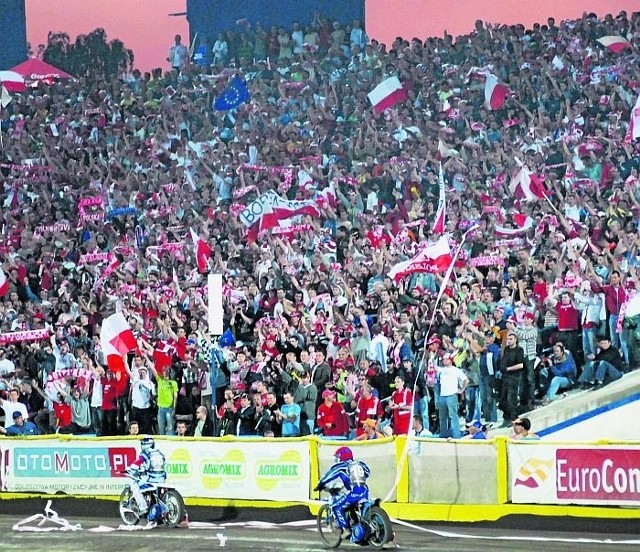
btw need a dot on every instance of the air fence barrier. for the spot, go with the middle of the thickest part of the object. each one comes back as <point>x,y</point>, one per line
<point>419,478</point>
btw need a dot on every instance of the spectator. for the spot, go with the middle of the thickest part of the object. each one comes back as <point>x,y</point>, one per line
<point>453,383</point>
<point>178,54</point>
<point>80,412</point>
<point>20,426</point>
<point>605,366</point>
<point>563,370</point>
<point>203,425</point>
<point>522,429</point>
<point>289,415</point>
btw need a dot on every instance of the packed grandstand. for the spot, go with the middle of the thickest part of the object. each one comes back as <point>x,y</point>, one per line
<point>461,244</point>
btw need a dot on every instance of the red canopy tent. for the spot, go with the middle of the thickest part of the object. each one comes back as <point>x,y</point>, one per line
<point>36,70</point>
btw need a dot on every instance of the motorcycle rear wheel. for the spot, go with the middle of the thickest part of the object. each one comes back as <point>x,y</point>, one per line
<point>128,508</point>
<point>381,528</point>
<point>330,533</point>
<point>176,510</point>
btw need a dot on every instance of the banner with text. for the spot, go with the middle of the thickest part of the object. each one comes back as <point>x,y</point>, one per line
<point>566,474</point>
<point>243,469</point>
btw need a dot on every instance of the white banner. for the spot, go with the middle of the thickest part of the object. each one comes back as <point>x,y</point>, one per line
<point>239,469</point>
<point>214,304</point>
<point>379,455</point>
<point>574,474</point>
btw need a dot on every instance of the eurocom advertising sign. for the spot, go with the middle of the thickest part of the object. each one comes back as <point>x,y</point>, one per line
<point>557,474</point>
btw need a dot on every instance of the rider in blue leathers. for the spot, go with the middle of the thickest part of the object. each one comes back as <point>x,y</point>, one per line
<point>353,474</point>
<point>149,471</point>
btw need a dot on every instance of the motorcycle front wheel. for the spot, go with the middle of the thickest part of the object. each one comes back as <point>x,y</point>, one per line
<point>176,510</point>
<point>128,508</point>
<point>328,528</point>
<point>381,528</point>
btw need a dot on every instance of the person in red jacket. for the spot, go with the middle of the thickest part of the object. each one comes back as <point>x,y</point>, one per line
<point>109,404</point>
<point>401,404</point>
<point>332,418</point>
<point>568,320</point>
<point>368,407</point>
<point>614,296</point>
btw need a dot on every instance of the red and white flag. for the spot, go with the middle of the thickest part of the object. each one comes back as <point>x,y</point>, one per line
<point>434,258</point>
<point>495,93</point>
<point>202,251</point>
<point>163,356</point>
<point>527,186</point>
<point>4,283</point>
<point>614,43</point>
<point>633,132</point>
<point>387,94</point>
<point>116,340</point>
<point>522,222</point>
<point>441,213</point>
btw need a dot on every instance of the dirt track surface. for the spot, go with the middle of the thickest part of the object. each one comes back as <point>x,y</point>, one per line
<point>104,534</point>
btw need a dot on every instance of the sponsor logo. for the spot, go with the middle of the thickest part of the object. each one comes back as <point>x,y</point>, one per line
<point>533,473</point>
<point>598,474</point>
<point>232,466</point>
<point>82,462</point>
<point>271,472</point>
<point>178,465</point>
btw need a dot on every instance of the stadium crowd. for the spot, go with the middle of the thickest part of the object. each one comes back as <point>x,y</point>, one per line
<point>103,180</point>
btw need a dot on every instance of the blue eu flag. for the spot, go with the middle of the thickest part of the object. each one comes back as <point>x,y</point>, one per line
<point>235,94</point>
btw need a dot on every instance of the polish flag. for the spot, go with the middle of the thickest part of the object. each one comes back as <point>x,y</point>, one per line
<point>434,258</point>
<point>523,224</point>
<point>441,213</point>
<point>116,340</point>
<point>614,43</point>
<point>202,251</point>
<point>387,94</point>
<point>527,186</point>
<point>4,283</point>
<point>163,356</point>
<point>495,93</point>
<point>633,132</point>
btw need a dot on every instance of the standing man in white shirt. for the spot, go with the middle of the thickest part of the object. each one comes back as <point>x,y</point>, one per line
<point>178,54</point>
<point>453,383</point>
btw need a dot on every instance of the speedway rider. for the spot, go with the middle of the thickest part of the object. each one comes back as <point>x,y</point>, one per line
<point>353,474</point>
<point>148,471</point>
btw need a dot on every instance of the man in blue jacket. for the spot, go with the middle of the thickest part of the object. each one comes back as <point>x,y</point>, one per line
<point>20,427</point>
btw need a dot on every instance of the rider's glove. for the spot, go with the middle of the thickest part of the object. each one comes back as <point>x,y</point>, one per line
<point>318,487</point>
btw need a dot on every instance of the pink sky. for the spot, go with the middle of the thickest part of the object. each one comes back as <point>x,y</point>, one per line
<point>145,27</point>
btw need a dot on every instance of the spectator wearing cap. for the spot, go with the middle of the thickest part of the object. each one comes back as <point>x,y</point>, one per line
<point>511,368</point>
<point>604,367</point>
<point>476,430</point>
<point>331,419</point>
<point>453,384</point>
<point>527,334</point>
<point>368,431</point>
<point>20,426</point>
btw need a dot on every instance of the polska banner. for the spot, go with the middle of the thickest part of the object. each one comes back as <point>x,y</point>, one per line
<point>24,336</point>
<point>488,260</point>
